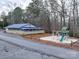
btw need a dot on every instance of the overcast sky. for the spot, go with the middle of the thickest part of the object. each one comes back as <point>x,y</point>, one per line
<point>7,5</point>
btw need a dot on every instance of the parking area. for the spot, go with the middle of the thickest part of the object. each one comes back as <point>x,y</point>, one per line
<point>18,48</point>
<point>9,51</point>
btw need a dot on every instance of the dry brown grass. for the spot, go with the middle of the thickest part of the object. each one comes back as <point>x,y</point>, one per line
<point>35,36</point>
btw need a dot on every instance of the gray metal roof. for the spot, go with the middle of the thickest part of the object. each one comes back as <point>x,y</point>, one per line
<point>22,26</point>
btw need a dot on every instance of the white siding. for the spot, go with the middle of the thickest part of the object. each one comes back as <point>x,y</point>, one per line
<point>25,32</point>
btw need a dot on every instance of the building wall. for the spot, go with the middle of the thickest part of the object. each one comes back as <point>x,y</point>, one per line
<point>25,32</point>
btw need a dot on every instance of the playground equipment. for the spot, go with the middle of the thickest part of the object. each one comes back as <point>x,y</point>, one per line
<point>64,31</point>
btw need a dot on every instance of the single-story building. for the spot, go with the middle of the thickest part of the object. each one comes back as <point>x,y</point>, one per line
<point>23,29</point>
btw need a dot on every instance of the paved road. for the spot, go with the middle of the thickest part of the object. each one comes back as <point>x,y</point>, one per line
<point>59,53</point>
<point>10,51</point>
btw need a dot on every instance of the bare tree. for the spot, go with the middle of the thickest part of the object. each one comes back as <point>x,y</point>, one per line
<point>75,16</point>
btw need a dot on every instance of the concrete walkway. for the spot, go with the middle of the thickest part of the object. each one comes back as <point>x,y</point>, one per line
<point>57,52</point>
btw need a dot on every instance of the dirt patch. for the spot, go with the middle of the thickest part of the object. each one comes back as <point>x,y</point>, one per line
<point>35,38</point>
